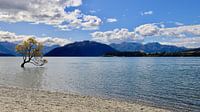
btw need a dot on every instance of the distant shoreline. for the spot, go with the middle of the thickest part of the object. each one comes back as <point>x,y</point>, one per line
<point>18,99</point>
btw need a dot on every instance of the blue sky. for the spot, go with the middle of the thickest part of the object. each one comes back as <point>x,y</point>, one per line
<point>116,14</point>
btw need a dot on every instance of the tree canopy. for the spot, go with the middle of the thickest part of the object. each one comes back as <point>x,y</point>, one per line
<point>31,50</point>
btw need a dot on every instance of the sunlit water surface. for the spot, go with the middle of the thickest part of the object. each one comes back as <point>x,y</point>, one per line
<point>165,82</point>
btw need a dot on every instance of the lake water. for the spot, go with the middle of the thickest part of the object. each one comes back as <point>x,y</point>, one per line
<point>161,81</point>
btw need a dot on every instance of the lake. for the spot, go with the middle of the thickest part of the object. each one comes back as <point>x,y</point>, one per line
<point>171,82</point>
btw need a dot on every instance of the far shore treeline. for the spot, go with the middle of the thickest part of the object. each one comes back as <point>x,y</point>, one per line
<point>164,54</point>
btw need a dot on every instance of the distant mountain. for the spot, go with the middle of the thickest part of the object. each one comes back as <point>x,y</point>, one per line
<point>158,48</point>
<point>6,50</point>
<point>46,49</point>
<point>147,48</point>
<point>9,48</point>
<point>90,48</point>
<point>3,55</point>
<point>128,46</point>
<point>84,48</point>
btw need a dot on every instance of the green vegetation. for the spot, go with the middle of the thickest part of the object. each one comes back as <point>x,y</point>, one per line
<point>31,50</point>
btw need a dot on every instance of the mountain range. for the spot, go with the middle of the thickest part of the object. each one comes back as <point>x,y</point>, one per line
<point>147,48</point>
<point>9,48</point>
<point>92,48</point>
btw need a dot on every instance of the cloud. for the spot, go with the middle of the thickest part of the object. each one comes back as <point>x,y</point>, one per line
<point>186,42</point>
<point>111,20</point>
<point>72,3</point>
<point>50,12</point>
<point>146,13</point>
<point>146,30</point>
<point>92,11</point>
<point>115,36</point>
<point>12,37</point>
<point>179,35</point>
<point>178,23</point>
<point>180,31</point>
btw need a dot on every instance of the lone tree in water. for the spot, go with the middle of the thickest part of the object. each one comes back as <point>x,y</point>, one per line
<point>31,50</point>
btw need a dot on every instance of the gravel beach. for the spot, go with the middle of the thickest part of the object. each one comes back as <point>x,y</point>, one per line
<point>14,99</point>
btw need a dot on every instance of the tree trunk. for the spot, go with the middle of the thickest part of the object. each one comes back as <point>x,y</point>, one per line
<point>22,65</point>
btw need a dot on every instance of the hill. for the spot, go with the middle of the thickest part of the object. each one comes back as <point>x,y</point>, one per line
<point>84,48</point>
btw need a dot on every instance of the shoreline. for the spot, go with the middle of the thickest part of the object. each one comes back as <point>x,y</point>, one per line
<point>28,100</point>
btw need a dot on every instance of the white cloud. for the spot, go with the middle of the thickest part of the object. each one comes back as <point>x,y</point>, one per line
<point>12,37</point>
<point>50,12</point>
<point>180,31</point>
<point>147,13</point>
<point>178,23</point>
<point>72,3</point>
<point>146,30</point>
<point>179,35</point>
<point>186,42</point>
<point>92,11</point>
<point>111,20</point>
<point>115,36</point>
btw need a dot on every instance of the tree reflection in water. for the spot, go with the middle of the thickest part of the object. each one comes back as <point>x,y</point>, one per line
<point>30,77</point>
